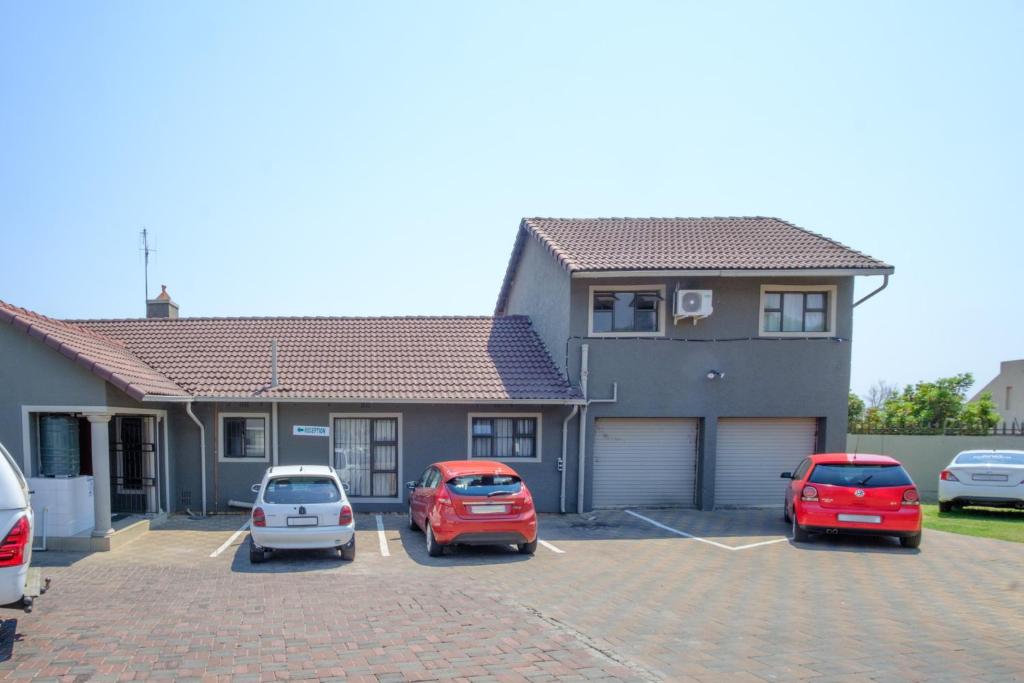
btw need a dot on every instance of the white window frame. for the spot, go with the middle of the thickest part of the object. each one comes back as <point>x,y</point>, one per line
<point>538,440</point>
<point>660,289</point>
<point>400,487</point>
<point>828,290</point>
<point>222,443</point>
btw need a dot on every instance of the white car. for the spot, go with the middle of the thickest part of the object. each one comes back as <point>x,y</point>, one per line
<point>991,478</point>
<point>301,507</point>
<point>16,532</point>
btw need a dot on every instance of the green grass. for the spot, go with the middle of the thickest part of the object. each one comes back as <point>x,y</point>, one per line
<point>1006,525</point>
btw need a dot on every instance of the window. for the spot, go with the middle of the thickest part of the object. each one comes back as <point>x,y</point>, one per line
<point>797,310</point>
<point>627,311</point>
<point>861,476</point>
<point>244,437</point>
<point>504,436</point>
<point>484,484</point>
<point>1009,397</point>
<point>367,455</point>
<point>801,469</point>
<point>990,458</point>
<point>301,491</point>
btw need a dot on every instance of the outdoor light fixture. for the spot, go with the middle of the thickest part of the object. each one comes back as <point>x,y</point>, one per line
<point>715,374</point>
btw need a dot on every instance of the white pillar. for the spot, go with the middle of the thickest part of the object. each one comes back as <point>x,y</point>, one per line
<point>99,425</point>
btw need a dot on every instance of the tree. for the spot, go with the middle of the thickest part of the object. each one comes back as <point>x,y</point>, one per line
<point>935,405</point>
<point>855,409</point>
<point>980,415</point>
<point>879,393</point>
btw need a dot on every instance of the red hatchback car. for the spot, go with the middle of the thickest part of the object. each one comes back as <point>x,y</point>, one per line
<point>475,502</point>
<point>853,494</point>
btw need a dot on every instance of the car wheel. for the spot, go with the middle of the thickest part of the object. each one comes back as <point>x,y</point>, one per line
<point>945,506</point>
<point>256,554</point>
<point>348,552</point>
<point>527,548</point>
<point>911,541</point>
<point>785,513</point>
<point>434,549</point>
<point>412,522</point>
<point>799,535</point>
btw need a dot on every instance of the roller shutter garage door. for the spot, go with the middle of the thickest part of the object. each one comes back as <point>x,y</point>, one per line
<point>752,453</point>
<point>640,461</point>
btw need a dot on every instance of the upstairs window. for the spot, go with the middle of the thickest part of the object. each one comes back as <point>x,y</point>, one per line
<point>627,312</point>
<point>798,311</point>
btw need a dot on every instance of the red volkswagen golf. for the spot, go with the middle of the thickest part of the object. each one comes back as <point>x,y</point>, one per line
<point>853,494</point>
<point>475,502</point>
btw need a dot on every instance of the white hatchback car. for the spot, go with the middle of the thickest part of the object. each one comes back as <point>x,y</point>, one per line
<point>990,478</point>
<point>301,507</point>
<point>16,532</point>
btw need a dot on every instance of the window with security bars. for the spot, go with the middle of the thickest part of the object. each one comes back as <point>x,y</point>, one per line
<point>504,437</point>
<point>366,455</point>
<point>245,437</point>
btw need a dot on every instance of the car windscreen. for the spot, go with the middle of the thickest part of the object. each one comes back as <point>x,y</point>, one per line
<point>861,476</point>
<point>991,458</point>
<point>484,484</point>
<point>301,491</point>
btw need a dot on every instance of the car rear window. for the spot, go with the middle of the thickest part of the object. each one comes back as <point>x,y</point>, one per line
<point>301,490</point>
<point>996,458</point>
<point>861,476</point>
<point>484,484</point>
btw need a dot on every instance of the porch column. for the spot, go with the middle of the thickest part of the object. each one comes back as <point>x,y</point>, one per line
<point>98,427</point>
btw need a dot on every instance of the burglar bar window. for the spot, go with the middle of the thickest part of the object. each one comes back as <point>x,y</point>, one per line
<point>796,312</point>
<point>245,437</point>
<point>366,455</point>
<point>504,437</point>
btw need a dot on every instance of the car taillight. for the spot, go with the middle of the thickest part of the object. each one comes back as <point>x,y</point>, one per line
<point>910,497</point>
<point>12,549</point>
<point>345,517</point>
<point>948,476</point>
<point>259,518</point>
<point>809,493</point>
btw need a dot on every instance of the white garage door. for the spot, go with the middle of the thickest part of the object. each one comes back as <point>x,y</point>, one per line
<point>752,453</point>
<point>639,461</point>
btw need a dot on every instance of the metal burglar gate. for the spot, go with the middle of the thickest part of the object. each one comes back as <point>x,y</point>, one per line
<point>133,465</point>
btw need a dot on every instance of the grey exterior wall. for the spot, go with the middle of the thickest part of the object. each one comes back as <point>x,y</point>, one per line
<point>540,290</point>
<point>925,457</point>
<point>666,377</point>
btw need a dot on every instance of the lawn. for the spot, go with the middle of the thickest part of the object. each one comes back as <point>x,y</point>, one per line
<point>1006,525</point>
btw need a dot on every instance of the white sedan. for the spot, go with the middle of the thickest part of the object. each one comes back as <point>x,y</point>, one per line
<point>991,478</point>
<point>301,507</point>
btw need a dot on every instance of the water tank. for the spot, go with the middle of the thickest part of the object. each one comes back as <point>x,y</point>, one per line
<point>58,446</point>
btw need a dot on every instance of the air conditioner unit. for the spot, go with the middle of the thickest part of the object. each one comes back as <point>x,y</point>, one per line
<point>692,303</point>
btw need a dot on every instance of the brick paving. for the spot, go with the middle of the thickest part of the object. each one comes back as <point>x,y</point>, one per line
<point>626,601</point>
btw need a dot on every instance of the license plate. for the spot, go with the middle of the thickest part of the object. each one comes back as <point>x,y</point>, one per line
<point>989,477</point>
<point>488,509</point>
<point>302,521</point>
<point>865,519</point>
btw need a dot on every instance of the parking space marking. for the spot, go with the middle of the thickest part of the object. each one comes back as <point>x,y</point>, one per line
<point>550,547</point>
<point>224,546</point>
<point>704,540</point>
<point>381,538</point>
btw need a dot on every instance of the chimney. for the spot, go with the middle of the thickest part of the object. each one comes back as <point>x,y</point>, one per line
<point>161,306</point>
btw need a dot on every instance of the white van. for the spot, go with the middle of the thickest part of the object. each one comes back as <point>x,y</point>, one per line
<point>15,530</point>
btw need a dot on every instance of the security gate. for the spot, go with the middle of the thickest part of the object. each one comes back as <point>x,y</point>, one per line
<point>133,465</point>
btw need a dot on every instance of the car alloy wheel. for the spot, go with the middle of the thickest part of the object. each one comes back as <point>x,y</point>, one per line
<point>434,549</point>
<point>799,535</point>
<point>412,522</point>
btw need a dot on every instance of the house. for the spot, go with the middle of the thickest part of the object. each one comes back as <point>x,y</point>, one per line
<point>680,361</point>
<point>1007,390</point>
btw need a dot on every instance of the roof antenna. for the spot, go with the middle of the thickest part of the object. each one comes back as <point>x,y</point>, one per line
<point>146,251</point>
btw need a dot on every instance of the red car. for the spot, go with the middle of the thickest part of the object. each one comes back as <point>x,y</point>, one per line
<point>853,494</point>
<point>475,502</point>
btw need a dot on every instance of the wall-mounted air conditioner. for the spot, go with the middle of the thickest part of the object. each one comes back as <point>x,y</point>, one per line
<point>692,303</point>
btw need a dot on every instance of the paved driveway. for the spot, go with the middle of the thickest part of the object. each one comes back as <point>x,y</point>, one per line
<point>673,595</point>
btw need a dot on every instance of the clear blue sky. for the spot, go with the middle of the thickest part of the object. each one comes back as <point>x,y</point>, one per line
<point>375,158</point>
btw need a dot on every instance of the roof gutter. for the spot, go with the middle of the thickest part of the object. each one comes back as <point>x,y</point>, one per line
<point>202,451</point>
<point>769,272</point>
<point>153,398</point>
<point>858,302</point>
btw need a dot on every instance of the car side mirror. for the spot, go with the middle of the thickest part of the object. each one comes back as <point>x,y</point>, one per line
<point>411,485</point>
<point>786,475</point>
<point>255,488</point>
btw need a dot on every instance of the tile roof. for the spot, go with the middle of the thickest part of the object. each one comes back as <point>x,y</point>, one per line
<point>430,359</point>
<point>718,243</point>
<point>106,357</point>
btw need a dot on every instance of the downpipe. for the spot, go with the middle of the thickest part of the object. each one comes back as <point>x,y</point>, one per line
<point>562,464</point>
<point>582,455</point>
<point>202,451</point>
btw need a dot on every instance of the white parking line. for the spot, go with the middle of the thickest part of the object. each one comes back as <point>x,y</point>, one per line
<point>231,540</point>
<point>381,538</point>
<point>550,547</point>
<point>704,540</point>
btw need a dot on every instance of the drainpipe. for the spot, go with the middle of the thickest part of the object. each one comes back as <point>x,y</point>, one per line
<point>885,283</point>
<point>584,376</point>
<point>273,421</point>
<point>202,449</point>
<point>563,464</point>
